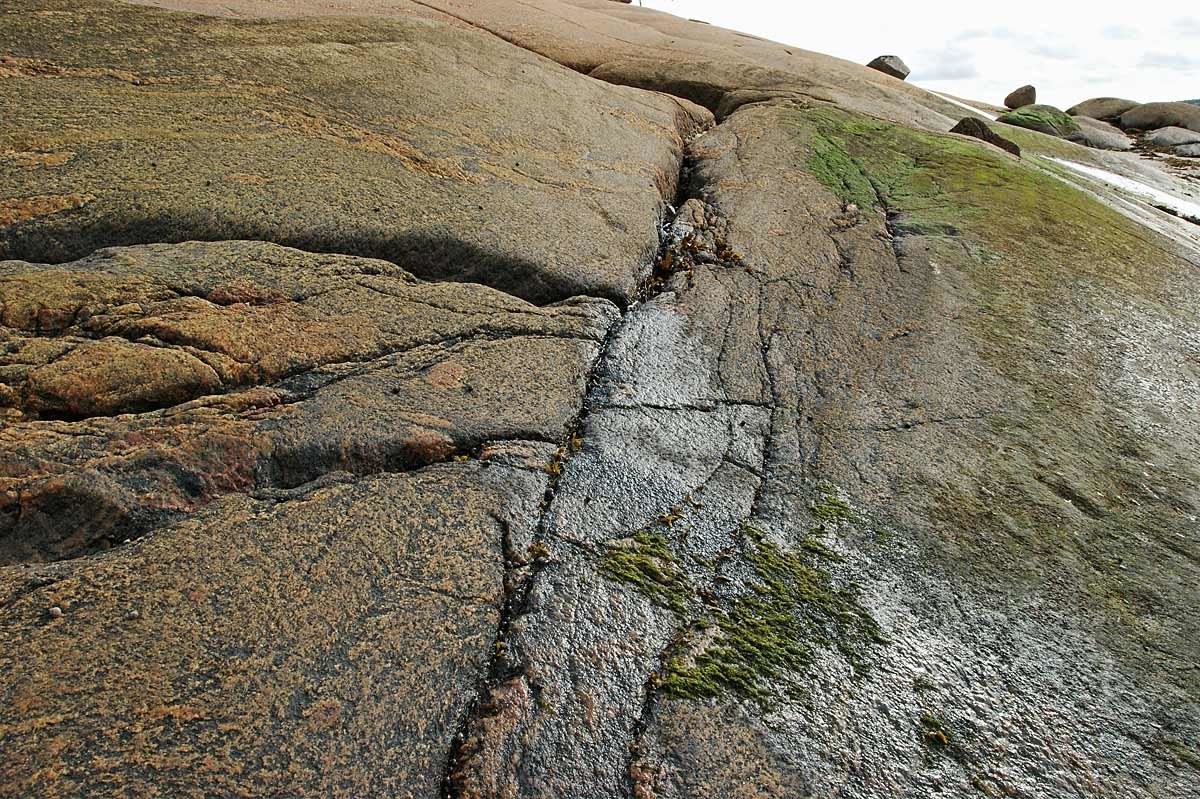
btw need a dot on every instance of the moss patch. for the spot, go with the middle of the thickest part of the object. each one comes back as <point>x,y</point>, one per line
<point>1042,118</point>
<point>841,173</point>
<point>1183,752</point>
<point>644,562</point>
<point>771,634</point>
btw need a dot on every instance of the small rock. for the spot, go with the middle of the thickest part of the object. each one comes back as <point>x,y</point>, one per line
<point>133,614</point>
<point>977,128</point>
<point>890,65</point>
<point>56,612</point>
<point>1026,95</point>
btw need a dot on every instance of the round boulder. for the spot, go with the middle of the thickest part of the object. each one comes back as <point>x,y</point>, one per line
<point>1108,109</point>
<point>890,65</point>
<point>1042,118</point>
<point>1152,116</point>
<point>1026,95</point>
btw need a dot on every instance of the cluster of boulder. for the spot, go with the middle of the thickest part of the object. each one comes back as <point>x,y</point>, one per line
<point>1110,123</point>
<point>1106,123</point>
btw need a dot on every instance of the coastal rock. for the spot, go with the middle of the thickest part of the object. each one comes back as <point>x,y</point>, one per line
<point>1107,109</point>
<point>1026,95</point>
<point>977,128</point>
<point>1101,135</point>
<point>1042,118</point>
<point>1152,116</point>
<point>890,65</point>
<point>1171,136</point>
<point>787,445</point>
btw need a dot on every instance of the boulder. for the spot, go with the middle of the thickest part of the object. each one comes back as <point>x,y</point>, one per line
<point>1171,136</point>
<point>1042,118</point>
<point>1105,108</point>
<point>1101,135</point>
<point>977,128</point>
<point>1026,95</point>
<point>1152,116</point>
<point>1187,150</point>
<point>890,65</point>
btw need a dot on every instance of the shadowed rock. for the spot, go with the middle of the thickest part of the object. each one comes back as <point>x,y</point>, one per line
<point>890,65</point>
<point>977,128</point>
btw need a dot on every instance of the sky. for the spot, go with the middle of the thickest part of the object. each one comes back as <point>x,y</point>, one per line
<point>1070,51</point>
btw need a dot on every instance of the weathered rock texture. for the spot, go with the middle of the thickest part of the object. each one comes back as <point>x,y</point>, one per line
<point>732,431</point>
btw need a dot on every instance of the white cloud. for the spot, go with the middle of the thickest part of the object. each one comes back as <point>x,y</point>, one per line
<point>1066,59</point>
<point>950,64</point>
<point>1172,61</point>
<point>1120,33</point>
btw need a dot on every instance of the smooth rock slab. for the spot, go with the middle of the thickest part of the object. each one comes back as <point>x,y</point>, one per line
<point>331,135</point>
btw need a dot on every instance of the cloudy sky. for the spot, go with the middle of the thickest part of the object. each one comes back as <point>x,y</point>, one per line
<point>1069,50</point>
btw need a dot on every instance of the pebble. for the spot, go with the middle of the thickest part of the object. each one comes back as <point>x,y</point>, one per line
<point>56,612</point>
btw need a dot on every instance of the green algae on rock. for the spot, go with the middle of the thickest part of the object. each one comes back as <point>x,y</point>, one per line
<point>770,634</point>
<point>1043,118</point>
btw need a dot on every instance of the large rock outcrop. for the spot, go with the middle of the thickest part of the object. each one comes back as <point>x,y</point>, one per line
<point>571,401</point>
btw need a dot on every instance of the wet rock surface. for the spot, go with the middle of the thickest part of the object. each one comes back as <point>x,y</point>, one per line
<point>808,450</point>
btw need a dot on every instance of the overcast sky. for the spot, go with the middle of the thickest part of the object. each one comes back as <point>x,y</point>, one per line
<point>1069,50</point>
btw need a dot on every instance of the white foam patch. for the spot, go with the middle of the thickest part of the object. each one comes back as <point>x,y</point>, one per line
<point>1141,190</point>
